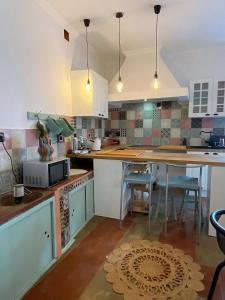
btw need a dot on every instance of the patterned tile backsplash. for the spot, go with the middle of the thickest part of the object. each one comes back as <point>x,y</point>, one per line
<point>140,123</point>
<point>147,124</point>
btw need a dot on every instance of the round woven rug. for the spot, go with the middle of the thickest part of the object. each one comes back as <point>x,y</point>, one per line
<point>144,270</point>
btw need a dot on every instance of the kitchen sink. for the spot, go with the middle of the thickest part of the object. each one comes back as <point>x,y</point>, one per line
<point>8,198</point>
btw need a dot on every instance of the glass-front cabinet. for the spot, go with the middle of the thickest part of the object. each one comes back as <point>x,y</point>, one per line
<point>219,98</point>
<point>200,98</point>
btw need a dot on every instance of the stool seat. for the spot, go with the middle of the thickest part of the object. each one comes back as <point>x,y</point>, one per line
<point>183,182</point>
<point>138,178</point>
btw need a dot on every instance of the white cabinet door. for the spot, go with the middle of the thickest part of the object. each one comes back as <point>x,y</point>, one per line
<point>218,108</point>
<point>200,104</point>
<point>93,103</point>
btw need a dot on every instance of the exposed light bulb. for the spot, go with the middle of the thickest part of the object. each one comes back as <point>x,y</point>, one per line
<point>156,84</point>
<point>88,85</point>
<point>119,85</point>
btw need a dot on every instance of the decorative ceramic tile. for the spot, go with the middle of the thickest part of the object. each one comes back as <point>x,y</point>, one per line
<point>175,132</point>
<point>184,112</point>
<point>18,138</point>
<point>196,123</point>
<point>156,123</point>
<point>115,131</point>
<point>186,123</point>
<point>165,132</point>
<point>138,132</point>
<point>176,114</point>
<point>139,114</point>
<point>139,124</point>
<point>156,113</point>
<point>195,141</point>
<point>131,124</point>
<point>156,132</point>
<point>4,160</point>
<point>84,133</point>
<point>148,114</point>
<point>79,123</point>
<point>123,140</point>
<point>32,153</point>
<point>147,123</point>
<point>166,113</point>
<point>122,115</point>
<point>156,141</point>
<point>147,132</point>
<point>218,131</point>
<point>138,141</point>
<point>195,132</point>
<point>123,132</point>
<point>6,181</point>
<point>219,123</point>
<point>115,124</point>
<point>92,123</point>
<point>147,141</point>
<point>130,132</point>
<point>131,140</point>
<point>8,139</point>
<point>207,123</point>
<point>148,106</point>
<point>175,141</point>
<point>165,123</point>
<point>31,137</point>
<point>130,115</point>
<point>175,123</point>
<point>123,123</point>
<point>165,141</point>
<point>175,105</point>
<point>166,105</point>
<point>185,132</point>
<point>114,115</point>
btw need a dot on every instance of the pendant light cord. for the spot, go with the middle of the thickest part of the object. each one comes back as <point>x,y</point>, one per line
<point>156,45</point>
<point>119,51</point>
<point>87,52</point>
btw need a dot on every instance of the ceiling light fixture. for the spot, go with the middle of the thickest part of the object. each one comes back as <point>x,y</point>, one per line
<point>88,84</point>
<point>156,84</point>
<point>119,85</point>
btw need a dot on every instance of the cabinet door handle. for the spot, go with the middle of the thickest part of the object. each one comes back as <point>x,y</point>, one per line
<point>48,236</point>
<point>206,153</point>
<point>215,114</point>
<point>207,114</point>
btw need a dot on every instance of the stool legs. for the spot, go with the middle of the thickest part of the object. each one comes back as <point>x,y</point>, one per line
<point>166,200</point>
<point>215,278</point>
<point>149,206</point>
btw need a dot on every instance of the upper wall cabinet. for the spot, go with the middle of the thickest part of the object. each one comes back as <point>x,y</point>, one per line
<point>207,98</point>
<point>219,98</point>
<point>200,98</point>
<point>93,103</point>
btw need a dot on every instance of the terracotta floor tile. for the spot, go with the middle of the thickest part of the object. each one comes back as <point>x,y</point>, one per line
<point>68,279</point>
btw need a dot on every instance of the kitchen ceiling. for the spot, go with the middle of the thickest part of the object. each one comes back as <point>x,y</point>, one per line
<point>184,24</point>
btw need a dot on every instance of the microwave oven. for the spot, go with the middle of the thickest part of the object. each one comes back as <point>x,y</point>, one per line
<point>43,174</point>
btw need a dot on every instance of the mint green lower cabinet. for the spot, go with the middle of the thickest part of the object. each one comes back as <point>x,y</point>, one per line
<point>27,245</point>
<point>77,209</point>
<point>90,209</point>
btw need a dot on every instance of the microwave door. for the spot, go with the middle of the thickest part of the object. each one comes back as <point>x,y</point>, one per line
<point>56,172</point>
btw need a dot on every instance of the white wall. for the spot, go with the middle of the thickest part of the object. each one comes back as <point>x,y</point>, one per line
<point>194,64</point>
<point>138,73</point>
<point>35,63</point>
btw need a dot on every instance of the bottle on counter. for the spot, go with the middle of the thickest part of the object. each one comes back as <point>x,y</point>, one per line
<point>75,143</point>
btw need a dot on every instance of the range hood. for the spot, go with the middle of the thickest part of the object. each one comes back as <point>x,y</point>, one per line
<point>138,73</point>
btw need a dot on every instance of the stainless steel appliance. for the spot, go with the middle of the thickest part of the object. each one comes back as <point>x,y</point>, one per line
<point>44,174</point>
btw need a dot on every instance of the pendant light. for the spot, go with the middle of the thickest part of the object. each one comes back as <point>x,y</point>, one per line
<point>119,85</point>
<point>88,84</point>
<point>156,84</point>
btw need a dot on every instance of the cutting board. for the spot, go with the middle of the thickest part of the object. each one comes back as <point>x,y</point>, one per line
<point>133,153</point>
<point>172,147</point>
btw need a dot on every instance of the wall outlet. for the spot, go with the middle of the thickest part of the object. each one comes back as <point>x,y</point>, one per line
<point>2,137</point>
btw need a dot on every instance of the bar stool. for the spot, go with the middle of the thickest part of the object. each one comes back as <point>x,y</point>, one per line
<point>131,176</point>
<point>188,184</point>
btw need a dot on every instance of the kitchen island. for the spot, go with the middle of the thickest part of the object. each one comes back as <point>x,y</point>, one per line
<point>108,173</point>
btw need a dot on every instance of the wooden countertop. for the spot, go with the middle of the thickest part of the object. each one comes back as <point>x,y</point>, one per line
<point>159,157</point>
<point>8,212</point>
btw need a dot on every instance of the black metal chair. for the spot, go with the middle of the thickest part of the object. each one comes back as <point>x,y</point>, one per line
<point>220,234</point>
